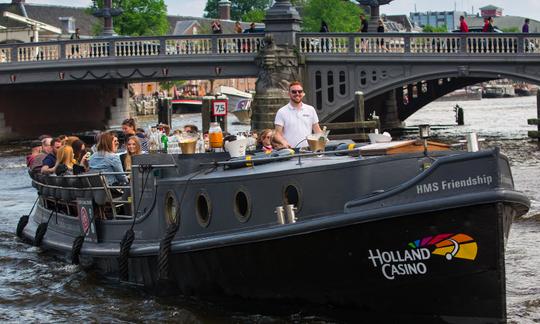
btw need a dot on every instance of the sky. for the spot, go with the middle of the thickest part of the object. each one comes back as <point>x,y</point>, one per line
<point>524,8</point>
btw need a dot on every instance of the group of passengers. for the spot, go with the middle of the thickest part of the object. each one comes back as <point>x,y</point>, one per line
<point>68,155</point>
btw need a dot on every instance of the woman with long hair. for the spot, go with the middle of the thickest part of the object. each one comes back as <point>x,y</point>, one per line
<point>133,147</point>
<point>106,159</point>
<point>264,142</point>
<point>81,156</point>
<point>64,161</point>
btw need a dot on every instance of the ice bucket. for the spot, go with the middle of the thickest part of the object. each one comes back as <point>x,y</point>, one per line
<point>316,142</point>
<point>188,147</point>
<point>236,148</point>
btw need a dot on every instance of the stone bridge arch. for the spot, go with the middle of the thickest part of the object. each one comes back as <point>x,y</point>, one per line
<point>331,88</point>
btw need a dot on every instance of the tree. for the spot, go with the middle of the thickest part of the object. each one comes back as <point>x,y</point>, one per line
<point>435,29</point>
<point>256,15</point>
<point>139,17</point>
<point>512,29</point>
<point>238,7</point>
<point>341,16</point>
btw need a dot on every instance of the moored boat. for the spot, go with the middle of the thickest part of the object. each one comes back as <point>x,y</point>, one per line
<point>410,234</point>
<point>186,105</point>
<point>239,103</point>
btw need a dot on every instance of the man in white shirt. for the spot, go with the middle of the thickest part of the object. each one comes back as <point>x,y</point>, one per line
<point>296,120</point>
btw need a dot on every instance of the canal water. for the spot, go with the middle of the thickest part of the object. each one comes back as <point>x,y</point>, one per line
<point>36,287</point>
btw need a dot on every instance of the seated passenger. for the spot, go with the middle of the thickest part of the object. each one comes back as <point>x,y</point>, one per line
<point>133,148</point>
<point>37,162</point>
<point>36,150</point>
<point>191,129</point>
<point>129,128</point>
<point>106,159</point>
<point>50,160</point>
<point>264,141</point>
<point>64,161</point>
<point>81,157</point>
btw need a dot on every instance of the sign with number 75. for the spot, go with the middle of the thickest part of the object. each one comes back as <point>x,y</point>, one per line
<point>219,107</point>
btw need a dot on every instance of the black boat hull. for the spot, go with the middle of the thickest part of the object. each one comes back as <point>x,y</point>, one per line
<point>362,266</point>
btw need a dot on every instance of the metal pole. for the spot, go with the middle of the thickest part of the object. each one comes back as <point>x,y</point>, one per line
<point>538,115</point>
<point>359,112</point>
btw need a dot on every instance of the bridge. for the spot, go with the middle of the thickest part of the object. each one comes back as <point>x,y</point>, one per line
<point>398,72</point>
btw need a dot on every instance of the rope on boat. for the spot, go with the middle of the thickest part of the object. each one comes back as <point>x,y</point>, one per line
<point>77,245</point>
<point>129,235</point>
<point>76,249</point>
<point>42,229</point>
<point>23,221</point>
<point>125,246</point>
<point>165,251</point>
<point>166,242</point>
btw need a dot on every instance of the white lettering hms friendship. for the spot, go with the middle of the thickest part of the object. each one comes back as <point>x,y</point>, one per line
<point>400,263</point>
<point>453,184</point>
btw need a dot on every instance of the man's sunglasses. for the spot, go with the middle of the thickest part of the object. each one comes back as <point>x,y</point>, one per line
<point>297,91</point>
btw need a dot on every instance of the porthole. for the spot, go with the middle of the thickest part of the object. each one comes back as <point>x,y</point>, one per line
<point>292,196</point>
<point>171,208</point>
<point>242,205</point>
<point>203,208</point>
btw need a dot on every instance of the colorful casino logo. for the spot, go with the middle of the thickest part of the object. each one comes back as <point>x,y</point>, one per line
<point>451,246</point>
<point>415,260</point>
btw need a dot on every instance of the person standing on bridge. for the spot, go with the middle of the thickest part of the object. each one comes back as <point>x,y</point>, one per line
<point>296,120</point>
<point>463,27</point>
<point>216,27</point>
<point>525,27</point>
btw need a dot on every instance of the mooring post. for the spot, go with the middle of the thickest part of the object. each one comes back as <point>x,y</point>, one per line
<point>538,116</point>
<point>359,112</point>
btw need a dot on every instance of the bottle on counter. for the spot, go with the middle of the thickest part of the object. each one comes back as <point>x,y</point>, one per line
<point>164,141</point>
<point>216,136</point>
<point>200,144</point>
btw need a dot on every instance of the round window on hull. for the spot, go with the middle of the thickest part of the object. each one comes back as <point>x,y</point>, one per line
<point>292,196</point>
<point>203,209</point>
<point>242,205</point>
<point>171,208</point>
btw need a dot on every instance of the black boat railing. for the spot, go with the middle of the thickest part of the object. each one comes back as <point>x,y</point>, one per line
<point>89,186</point>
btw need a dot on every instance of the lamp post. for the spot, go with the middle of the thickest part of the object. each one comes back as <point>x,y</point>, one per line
<point>424,135</point>
<point>107,13</point>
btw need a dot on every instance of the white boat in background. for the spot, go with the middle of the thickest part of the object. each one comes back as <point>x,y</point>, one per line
<point>239,102</point>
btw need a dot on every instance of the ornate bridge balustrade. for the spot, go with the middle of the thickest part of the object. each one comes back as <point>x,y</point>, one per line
<point>418,43</point>
<point>131,47</point>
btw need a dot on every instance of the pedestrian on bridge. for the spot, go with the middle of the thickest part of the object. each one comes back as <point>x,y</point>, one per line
<point>463,27</point>
<point>216,27</point>
<point>525,28</point>
<point>296,120</point>
<point>363,24</point>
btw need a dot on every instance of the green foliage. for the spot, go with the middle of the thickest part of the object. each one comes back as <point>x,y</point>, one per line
<point>238,8</point>
<point>139,17</point>
<point>512,29</point>
<point>341,16</point>
<point>435,29</point>
<point>256,15</point>
<point>167,85</point>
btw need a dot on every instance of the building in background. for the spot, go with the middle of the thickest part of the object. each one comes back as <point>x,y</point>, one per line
<point>450,19</point>
<point>491,11</point>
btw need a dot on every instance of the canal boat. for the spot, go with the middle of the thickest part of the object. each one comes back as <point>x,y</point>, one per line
<point>239,103</point>
<point>186,105</point>
<point>409,235</point>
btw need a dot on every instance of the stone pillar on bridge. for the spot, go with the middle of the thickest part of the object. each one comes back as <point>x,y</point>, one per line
<point>278,63</point>
<point>390,117</point>
<point>374,12</point>
<point>120,108</point>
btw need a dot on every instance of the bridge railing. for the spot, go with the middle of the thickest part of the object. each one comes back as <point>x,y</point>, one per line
<point>419,43</point>
<point>99,48</point>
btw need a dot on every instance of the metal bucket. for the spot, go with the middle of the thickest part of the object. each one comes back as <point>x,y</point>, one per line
<point>188,147</point>
<point>316,144</point>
